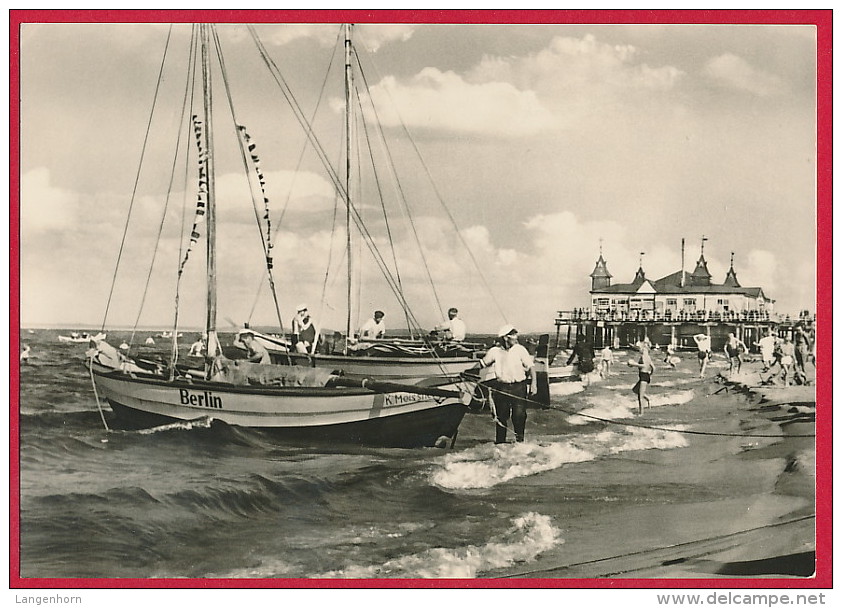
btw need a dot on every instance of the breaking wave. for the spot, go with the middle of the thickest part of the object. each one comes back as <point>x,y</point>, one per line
<point>529,535</point>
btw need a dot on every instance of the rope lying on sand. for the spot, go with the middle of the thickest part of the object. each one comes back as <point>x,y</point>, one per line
<point>689,543</point>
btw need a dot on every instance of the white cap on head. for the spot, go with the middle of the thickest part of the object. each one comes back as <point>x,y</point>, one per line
<point>506,330</point>
<point>300,307</point>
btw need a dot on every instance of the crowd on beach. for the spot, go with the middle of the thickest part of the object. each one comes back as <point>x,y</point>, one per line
<point>784,358</point>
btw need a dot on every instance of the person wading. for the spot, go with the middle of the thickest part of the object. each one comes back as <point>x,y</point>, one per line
<point>512,366</point>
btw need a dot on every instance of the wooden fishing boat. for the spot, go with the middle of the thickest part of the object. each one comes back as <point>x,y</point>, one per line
<point>303,403</point>
<point>325,408</point>
<point>409,361</point>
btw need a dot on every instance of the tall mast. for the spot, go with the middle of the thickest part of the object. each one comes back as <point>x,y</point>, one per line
<point>349,82</point>
<point>210,324</point>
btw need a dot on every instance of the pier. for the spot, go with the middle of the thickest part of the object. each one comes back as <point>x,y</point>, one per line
<point>625,329</point>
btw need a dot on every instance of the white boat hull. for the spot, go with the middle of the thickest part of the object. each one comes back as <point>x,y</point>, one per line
<point>81,339</point>
<point>566,373</point>
<point>345,414</point>
<point>411,369</point>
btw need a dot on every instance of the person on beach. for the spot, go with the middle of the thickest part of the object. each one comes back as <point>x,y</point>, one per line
<point>645,367</point>
<point>734,348</point>
<point>802,349</point>
<point>512,366</point>
<point>766,344</point>
<point>787,360</point>
<point>671,358</point>
<point>703,344</point>
<point>375,327</point>
<point>811,338</point>
<point>606,359</point>
<point>585,353</point>
<point>453,328</point>
<point>24,354</point>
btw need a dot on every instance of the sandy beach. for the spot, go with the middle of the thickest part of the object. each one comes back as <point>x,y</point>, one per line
<point>737,501</point>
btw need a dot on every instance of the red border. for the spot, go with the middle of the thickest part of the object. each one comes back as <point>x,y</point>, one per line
<point>822,19</point>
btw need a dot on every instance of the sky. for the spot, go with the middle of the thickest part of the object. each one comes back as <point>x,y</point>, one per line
<point>522,152</point>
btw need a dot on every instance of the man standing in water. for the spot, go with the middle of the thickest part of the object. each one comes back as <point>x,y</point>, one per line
<point>734,348</point>
<point>510,388</point>
<point>645,367</point>
<point>703,344</point>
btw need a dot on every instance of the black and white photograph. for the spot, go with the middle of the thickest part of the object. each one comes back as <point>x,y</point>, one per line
<point>318,298</point>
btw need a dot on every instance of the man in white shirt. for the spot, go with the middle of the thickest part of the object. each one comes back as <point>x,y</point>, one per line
<point>767,349</point>
<point>512,365</point>
<point>454,328</point>
<point>255,351</point>
<point>375,327</point>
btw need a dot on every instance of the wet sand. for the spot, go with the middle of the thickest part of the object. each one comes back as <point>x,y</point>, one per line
<point>747,485</point>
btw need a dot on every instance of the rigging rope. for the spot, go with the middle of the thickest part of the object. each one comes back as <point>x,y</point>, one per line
<point>287,200</point>
<point>96,395</point>
<point>367,237</point>
<point>440,198</point>
<point>266,241</point>
<point>137,178</point>
<point>189,89</point>
<point>402,196</point>
<point>386,216</point>
<point>161,228</point>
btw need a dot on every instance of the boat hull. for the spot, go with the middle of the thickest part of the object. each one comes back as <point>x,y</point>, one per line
<point>419,365</point>
<point>307,413</point>
<point>412,370</point>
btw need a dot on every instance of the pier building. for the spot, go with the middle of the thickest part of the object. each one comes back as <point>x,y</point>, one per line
<point>672,309</point>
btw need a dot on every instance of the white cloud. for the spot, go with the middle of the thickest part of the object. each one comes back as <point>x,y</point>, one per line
<point>760,270</point>
<point>444,100</point>
<point>325,34</point>
<point>735,72</point>
<point>45,207</point>
<point>578,68</point>
<point>522,96</point>
<point>371,37</point>
<point>307,192</point>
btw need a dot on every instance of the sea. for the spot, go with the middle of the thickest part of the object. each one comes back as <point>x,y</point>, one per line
<point>207,500</point>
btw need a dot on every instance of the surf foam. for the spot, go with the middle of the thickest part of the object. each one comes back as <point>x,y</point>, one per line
<point>487,465</point>
<point>530,535</point>
<point>187,425</point>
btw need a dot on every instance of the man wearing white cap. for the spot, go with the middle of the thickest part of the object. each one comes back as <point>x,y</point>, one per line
<point>304,334</point>
<point>513,376</point>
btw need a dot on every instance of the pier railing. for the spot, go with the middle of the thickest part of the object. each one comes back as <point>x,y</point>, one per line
<point>698,316</point>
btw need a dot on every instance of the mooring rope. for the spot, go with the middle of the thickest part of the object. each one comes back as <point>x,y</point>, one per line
<point>638,425</point>
<point>96,395</point>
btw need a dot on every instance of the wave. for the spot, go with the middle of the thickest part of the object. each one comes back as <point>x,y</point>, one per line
<point>612,407</point>
<point>486,466</point>
<point>529,535</point>
<point>204,422</point>
<point>562,389</point>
